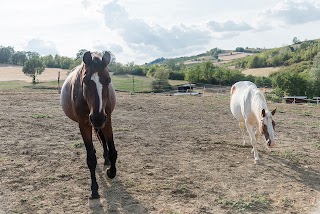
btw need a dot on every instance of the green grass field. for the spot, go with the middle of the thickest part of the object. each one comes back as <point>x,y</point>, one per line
<point>121,82</point>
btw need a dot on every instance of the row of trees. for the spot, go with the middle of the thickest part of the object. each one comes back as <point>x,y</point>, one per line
<point>9,56</point>
<point>300,79</point>
<point>288,55</point>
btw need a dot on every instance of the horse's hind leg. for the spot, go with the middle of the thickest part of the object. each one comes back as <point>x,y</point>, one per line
<point>105,147</point>
<point>242,126</point>
<point>108,134</point>
<point>86,132</point>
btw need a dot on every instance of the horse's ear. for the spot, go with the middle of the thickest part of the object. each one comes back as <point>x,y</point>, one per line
<point>106,58</point>
<point>263,113</point>
<point>87,59</point>
<point>274,111</point>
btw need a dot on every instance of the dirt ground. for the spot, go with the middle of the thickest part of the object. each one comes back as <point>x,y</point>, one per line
<point>175,155</point>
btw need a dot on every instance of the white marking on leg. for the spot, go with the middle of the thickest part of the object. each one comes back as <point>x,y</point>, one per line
<point>95,78</point>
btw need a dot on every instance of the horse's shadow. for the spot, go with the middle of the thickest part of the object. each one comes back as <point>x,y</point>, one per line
<point>306,176</point>
<point>114,198</point>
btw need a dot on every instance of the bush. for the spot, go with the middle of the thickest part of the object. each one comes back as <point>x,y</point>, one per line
<point>174,75</point>
<point>159,85</point>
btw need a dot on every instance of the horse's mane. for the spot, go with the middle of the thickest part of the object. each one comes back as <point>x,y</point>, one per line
<point>259,97</point>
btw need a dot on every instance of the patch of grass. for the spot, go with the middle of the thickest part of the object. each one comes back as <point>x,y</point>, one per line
<point>78,144</point>
<point>307,113</point>
<point>40,116</point>
<point>172,212</point>
<point>39,197</point>
<point>254,202</point>
<point>7,85</point>
<point>125,83</point>
<point>121,129</point>
<point>316,143</point>
<point>286,202</point>
<point>2,159</point>
<point>19,165</point>
<point>10,85</point>
<point>182,190</point>
<point>288,155</point>
<point>216,142</point>
<point>141,83</point>
<point>298,123</point>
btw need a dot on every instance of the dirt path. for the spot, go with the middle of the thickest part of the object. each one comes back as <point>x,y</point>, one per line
<point>176,155</point>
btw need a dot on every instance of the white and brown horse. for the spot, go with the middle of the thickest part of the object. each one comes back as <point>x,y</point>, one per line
<point>88,98</point>
<point>249,107</point>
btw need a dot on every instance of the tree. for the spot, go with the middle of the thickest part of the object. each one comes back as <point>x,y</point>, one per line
<point>161,79</point>
<point>19,58</point>
<point>6,54</point>
<point>295,40</point>
<point>33,67</point>
<point>80,53</point>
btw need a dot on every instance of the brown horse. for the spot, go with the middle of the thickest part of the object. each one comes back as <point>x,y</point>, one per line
<point>88,98</point>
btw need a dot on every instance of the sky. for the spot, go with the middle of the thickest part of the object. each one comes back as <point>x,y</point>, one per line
<point>143,30</point>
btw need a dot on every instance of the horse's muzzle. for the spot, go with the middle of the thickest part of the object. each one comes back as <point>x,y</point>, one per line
<point>98,120</point>
<point>270,143</point>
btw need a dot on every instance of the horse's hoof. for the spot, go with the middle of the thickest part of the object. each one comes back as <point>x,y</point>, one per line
<point>94,196</point>
<point>111,174</point>
<point>257,161</point>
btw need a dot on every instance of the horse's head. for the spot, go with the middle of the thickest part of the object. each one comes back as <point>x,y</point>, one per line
<point>95,82</point>
<point>267,126</point>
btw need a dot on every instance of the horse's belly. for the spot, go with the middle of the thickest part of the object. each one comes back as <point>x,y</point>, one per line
<point>112,96</point>
<point>65,100</point>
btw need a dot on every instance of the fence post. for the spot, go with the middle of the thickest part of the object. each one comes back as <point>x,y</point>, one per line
<point>59,82</point>
<point>133,84</point>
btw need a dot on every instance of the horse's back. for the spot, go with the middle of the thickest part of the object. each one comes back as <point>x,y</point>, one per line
<point>241,93</point>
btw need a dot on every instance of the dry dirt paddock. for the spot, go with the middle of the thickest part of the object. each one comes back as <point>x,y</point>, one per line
<point>175,155</point>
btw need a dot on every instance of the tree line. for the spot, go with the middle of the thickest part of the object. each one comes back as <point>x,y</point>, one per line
<point>9,56</point>
<point>300,74</point>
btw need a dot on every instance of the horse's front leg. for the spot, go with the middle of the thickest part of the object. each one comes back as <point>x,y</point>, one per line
<point>86,132</point>
<point>253,142</point>
<point>105,147</point>
<point>108,133</point>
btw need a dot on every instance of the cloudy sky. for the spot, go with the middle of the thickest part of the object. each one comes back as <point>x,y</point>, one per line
<point>143,30</point>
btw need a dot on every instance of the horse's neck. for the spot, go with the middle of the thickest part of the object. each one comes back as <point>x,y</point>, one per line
<point>259,103</point>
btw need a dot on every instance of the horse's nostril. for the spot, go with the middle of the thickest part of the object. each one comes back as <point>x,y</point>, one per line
<point>105,117</point>
<point>90,117</point>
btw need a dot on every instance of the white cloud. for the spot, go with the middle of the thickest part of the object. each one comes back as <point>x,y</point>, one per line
<point>288,12</point>
<point>228,26</point>
<point>41,47</point>
<point>114,48</point>
<point>139,34</point>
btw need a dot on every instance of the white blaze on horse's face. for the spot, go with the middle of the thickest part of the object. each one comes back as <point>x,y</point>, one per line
<point>99,86</point>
